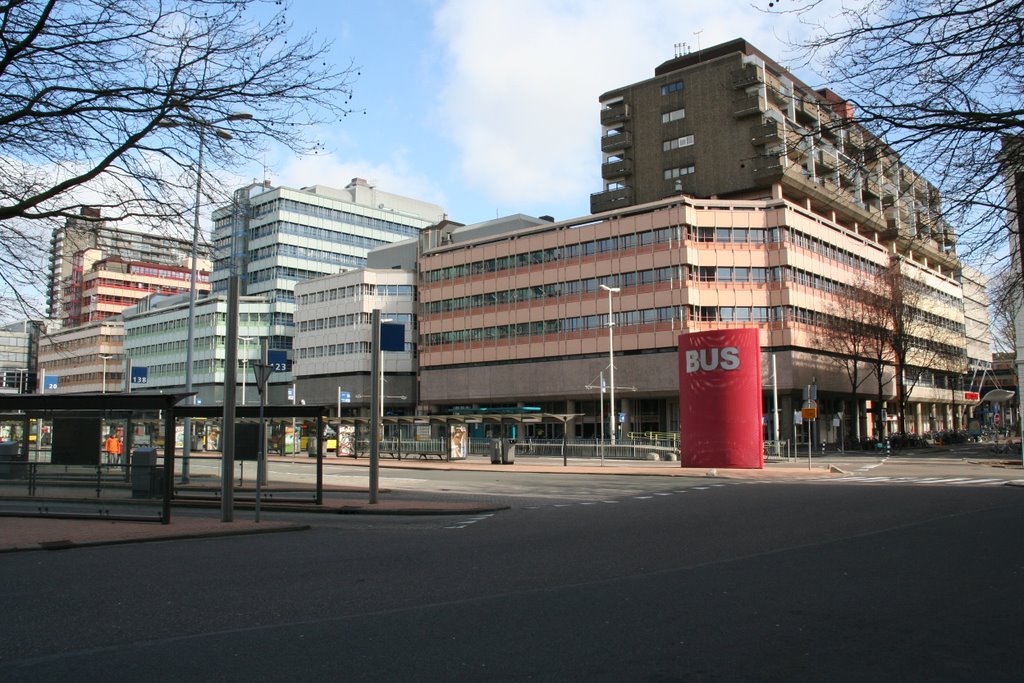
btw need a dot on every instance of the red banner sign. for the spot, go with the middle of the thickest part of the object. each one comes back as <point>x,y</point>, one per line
<point>720,399</point>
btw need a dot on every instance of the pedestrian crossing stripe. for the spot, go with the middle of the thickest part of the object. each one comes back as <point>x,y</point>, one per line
<point>920,480</point>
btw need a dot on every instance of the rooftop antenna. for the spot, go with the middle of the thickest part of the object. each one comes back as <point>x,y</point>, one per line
<point>697,33</point>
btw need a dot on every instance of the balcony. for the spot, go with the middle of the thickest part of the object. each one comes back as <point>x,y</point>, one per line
<point>766,133</point>
<point>616,169</point>
<point>749,105</point>
<point>610,143</point>
<point>610,200</point>
<point>826,161</point>
<point>768,166</point>
<point>748,74</point>
<point>613,114</point>
<point>807,112</point>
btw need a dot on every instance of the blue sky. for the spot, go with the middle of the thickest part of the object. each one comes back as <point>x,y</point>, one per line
<point>489,107</point>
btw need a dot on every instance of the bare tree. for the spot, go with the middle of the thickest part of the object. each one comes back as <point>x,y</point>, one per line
<point>1006,297</point>
<point>108,103</point>
<point>923,337</point>
<point>858,340</point>
<point>942,82</point>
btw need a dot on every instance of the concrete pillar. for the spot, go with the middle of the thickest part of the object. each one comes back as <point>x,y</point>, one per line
<point>570,425</point>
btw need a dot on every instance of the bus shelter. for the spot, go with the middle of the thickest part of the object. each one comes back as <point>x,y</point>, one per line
<point>68,429</point>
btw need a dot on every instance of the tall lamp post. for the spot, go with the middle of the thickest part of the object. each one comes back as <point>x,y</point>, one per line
<point>613,417</point>
<point>105,357</point>
<point>201,125</point>
<point>244,360</point>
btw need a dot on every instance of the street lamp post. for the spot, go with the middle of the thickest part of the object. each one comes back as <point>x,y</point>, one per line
<point>244,360</point>
<point>105,357</point>
<point>613,418</point>
<point>201,125</point>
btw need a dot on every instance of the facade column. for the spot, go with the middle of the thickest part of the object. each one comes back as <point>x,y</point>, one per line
<point>570,425</point>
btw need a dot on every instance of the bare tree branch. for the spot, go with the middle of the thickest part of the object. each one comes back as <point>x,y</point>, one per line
<point>109,97</point>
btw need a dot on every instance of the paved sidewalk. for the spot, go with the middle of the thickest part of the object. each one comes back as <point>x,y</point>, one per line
<point>52,533</point>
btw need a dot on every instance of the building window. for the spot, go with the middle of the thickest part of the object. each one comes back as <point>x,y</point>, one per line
<point>670,88</point>
<point>676,115</point>
<point>671,173</point>
<point>676,143</point>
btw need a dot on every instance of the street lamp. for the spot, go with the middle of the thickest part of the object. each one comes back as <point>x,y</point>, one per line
<point>613,418</point>
<point>201,125</point>
<point>105,357</point>
<point>244,360</point>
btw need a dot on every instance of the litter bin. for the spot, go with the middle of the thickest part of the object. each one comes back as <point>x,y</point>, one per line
<point>147,477</point>
<point>311,446</point>
<point>12,460</point>
<point>496,451</point>
<point>508,451</point>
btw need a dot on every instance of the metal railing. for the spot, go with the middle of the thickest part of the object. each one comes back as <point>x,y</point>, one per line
<point>628,449</point>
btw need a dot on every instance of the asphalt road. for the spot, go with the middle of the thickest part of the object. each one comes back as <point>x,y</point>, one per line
<point>679,581</point>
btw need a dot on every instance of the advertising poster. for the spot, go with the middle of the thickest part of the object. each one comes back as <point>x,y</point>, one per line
<point>720,417</point>
<point>458,442</point>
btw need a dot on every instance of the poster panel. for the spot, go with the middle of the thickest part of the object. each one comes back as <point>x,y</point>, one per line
<point>720,420</point>
<point>458,442</point>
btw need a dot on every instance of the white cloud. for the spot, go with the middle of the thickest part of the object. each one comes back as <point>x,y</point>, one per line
<point>394,175</point>
<point>520,98</point>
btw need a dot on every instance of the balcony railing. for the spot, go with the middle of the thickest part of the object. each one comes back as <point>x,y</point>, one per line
<point>616,169</point>
<point>610,199</point>
<point>749,105</point>
<point>748,74</point>
<point>610,143</point>
<point>615,113</point>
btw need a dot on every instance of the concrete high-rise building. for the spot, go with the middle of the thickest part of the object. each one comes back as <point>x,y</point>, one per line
<point>728,122</point>
<point>86,358</point>
<point>89,231</point>
<point>100,287</point>
<point>275,237</point>
<point>155,338</point>
<point>735,196</point>
<point>19,350</point>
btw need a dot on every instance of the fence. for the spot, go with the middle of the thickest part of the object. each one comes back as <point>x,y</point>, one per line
<point>630,449</point>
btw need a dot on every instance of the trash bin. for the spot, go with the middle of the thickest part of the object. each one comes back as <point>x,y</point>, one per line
<point>12,460</point>
<point>147,477</point>
<point>311,446</point>
<point>508,451</point>
<point>496,451</point>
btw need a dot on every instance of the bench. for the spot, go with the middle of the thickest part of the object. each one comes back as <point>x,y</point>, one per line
<point>398,454</point>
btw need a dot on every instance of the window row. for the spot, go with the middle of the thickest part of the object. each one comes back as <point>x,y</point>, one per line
<point>666,314</point>
<point>676,143</point>
<point>327,256</point>
<point>360,290</point>
<point>553,291</point>
<point>571,251</point>
<point>659,236</point>
<point>361,319</point>
<point>334,215</point>
<point>679,172</point>
<point>347,349</point>
<point>333,236</point>
<point>674,115</point>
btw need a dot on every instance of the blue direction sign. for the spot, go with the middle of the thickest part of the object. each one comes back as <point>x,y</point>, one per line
<point>344,397</point>
<point>392,337</point>
<point>278,361</point>
<point>140,375</point>
<point>50,382</point>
